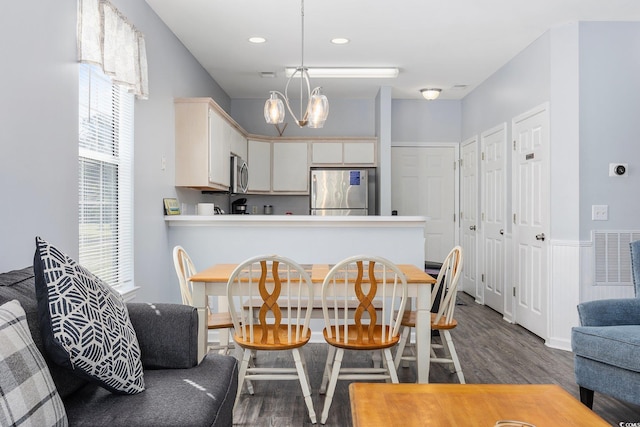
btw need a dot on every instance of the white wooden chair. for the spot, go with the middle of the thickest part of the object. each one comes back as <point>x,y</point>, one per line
<point>442,321</point>
<point>279,323</point>
<point>380,290</point>
<point>215,321</point>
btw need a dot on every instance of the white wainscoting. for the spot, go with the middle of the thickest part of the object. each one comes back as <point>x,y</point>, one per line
<point>564,291</point>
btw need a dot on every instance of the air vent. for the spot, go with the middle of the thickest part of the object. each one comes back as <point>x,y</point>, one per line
<point>612,257</point>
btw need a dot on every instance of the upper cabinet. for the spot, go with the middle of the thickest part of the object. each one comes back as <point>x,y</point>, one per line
<point>356,152</point>
<point>259,163</point>
<point>290,167</point>
<point>205,138</point>
<point>278,167</point>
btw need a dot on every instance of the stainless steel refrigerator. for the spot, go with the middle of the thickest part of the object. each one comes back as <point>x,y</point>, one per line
<point>341,192</point>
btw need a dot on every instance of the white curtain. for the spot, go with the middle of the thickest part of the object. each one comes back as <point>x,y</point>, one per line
<point>107,39</point>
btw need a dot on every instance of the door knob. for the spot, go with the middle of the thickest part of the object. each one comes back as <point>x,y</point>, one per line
<point>472,227</point>
<point>540,236</point>
<point>502,231</point>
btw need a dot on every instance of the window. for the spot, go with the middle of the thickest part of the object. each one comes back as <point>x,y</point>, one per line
<point>106,178</point>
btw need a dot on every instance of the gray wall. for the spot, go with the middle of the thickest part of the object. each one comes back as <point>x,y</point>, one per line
<point>38,129</point>
<point>39,134</point>
<point>609,124</point>
<point>426,121</point>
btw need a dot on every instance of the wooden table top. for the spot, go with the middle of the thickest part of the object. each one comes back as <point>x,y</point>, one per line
<point>442,405</point>
<point>221,272</point>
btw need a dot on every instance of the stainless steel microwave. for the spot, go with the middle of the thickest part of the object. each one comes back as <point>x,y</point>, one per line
<point>239,175</point>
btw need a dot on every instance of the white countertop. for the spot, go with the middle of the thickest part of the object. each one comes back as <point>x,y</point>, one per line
<point>295,221</point>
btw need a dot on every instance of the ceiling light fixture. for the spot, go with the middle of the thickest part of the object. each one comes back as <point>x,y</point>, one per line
<point>257,40</point>
<point>317,105</point>
<point>340,40</point>
<point>430,94</point>
<point>347,72</point>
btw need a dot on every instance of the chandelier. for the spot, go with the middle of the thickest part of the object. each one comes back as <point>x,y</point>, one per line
<point>317,106</point>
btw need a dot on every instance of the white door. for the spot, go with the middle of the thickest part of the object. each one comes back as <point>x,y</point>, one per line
<point>531,218</point>
<point>469,214</point>
<point>423,183</point>
<point>493,167</point>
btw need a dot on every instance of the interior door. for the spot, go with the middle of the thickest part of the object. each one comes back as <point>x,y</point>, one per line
<point>493,166</point>
<point>423,183</point>
<point>469,214</point>
<point>531,218</point>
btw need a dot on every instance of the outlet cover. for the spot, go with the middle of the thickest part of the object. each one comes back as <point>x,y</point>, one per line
<point>600,212</point>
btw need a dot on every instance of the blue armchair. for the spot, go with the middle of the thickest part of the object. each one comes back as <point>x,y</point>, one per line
<point>606,345</point>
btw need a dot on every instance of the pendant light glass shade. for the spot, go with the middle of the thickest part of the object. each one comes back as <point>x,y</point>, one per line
<point>318,109</point>
<point>317,104</point>
<point>274,110</point>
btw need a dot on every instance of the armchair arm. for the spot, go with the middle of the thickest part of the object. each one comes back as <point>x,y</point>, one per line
<point>167,334</point>
<point>610,312</point>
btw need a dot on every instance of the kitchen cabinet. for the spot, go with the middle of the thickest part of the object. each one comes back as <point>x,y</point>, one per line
<point>290,171</point>
<point>278,167</point>
<point>238,141</point>
<point>202,151</point>
<point>344,153</point>
<point>359,153</point>
<point>259,163</point>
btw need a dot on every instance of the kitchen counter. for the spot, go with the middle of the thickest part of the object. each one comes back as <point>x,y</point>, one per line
<point>294,221</point>
<point>304,238</point>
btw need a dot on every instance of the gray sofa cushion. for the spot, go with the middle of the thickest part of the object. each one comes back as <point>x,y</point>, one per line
<point>20,285</point>
<point>167,334</point>
<point>614,345</point>
<point>169,399</point>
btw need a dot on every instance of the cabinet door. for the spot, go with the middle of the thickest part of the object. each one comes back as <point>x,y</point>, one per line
<point>219,172</point>
<point>326,153</point>
<point>290,170</point>
<point>238,143</point>
<point>361,153</point>
<point>259,163</point>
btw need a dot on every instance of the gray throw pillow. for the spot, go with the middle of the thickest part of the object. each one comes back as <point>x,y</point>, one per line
<point>84,323</point>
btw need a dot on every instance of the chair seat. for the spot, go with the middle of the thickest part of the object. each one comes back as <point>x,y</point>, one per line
<point>614,345</point>
<point>263,339</point>
<point>219,321</point>
<point>409,319</point>
<point>353,343</point>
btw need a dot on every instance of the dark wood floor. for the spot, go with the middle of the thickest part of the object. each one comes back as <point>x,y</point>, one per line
<point>490,351</point>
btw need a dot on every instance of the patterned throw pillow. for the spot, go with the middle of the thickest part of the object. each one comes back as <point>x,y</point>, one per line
<point>84,323</point>
<point>28,396</point>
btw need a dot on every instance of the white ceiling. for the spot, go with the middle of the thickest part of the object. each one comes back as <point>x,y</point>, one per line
<point>434,43</point>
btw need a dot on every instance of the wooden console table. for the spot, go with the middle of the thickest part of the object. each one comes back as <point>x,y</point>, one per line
<point>482,405</point>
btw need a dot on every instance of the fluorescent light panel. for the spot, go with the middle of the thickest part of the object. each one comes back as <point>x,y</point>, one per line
<point>347,73</point>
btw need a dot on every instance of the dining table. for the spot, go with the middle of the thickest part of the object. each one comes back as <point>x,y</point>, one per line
<point>212,281</point>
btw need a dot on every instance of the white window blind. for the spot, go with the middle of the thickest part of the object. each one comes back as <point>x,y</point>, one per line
<point>106,178</point>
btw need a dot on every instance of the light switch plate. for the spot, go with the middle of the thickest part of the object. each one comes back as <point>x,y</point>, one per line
<point>600,212</point>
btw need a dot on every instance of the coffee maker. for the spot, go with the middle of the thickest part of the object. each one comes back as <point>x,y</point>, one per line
<point>239,206</point>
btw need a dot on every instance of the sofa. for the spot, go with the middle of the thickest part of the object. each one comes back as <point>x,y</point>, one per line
<point>178,390</point>
<point>606,345</point>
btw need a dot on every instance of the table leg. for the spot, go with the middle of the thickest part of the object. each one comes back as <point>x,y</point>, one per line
<point>423,333</point>
<point>200,303</point>
<point>223,307</point>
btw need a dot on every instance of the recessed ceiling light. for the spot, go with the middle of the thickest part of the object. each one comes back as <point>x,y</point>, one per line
<point>340,40</point>
<point>257,40</point>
